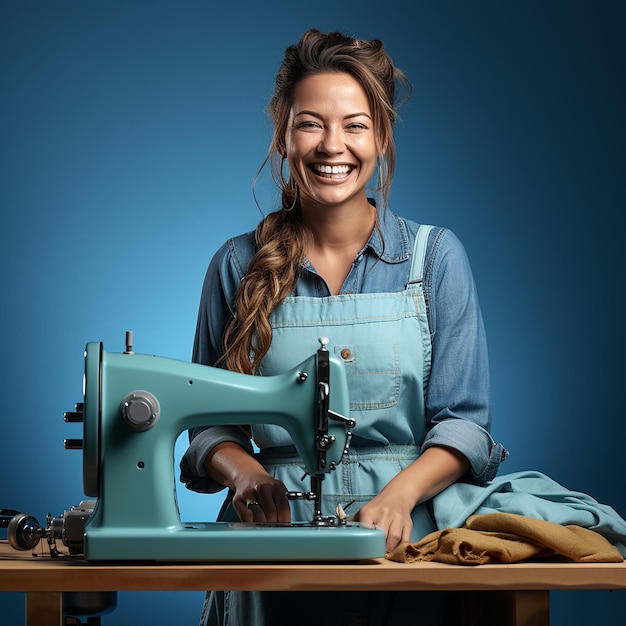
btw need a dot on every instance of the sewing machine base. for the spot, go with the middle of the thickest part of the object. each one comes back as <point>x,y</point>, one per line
<point>226,541</point>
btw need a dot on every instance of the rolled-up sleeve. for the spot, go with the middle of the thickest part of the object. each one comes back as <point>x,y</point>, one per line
<point>458,396</point>
<point>202,441</point>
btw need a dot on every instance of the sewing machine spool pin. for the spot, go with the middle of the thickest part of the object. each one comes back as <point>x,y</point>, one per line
<point>129,342</point>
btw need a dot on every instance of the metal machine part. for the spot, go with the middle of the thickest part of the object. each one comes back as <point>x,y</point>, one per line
<point>89,604</point>
<point>24,532</point>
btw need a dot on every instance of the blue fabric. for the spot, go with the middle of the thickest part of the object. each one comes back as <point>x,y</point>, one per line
<point>532,494</point>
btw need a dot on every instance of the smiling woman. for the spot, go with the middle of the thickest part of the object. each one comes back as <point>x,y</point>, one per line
<point>335,262</point>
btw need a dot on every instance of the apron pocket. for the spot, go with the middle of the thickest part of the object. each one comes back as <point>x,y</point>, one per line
<point>373,374</point>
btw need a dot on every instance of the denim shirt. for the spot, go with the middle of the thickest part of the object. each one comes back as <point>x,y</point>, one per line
<point>457,398</point>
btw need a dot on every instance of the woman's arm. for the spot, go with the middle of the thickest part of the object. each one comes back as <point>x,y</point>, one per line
<point>458,395</point>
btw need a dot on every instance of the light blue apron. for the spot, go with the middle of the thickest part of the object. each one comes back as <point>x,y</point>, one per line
<point>384,340</point>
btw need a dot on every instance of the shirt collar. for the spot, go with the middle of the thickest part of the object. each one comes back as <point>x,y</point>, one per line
<point>390,241</point>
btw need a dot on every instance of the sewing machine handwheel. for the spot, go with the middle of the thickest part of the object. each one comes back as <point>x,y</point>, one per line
<point>94,356</point>
<point>24,532</point>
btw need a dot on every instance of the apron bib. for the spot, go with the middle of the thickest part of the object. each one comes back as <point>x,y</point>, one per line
<point>384,341</point>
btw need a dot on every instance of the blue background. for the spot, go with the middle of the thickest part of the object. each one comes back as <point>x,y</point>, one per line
<point>130,134</point>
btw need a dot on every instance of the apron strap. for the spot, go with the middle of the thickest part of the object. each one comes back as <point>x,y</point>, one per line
<point>419,254</point>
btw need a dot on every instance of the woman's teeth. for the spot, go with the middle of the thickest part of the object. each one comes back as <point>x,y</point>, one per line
<point>331,169</point>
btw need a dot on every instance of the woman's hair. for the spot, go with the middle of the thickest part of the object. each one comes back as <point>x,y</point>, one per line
<point>282,237</point>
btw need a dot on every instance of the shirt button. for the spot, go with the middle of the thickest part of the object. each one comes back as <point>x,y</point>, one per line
<point>346,354</point>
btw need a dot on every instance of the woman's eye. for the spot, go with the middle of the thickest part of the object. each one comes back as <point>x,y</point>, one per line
<point>308,125</point>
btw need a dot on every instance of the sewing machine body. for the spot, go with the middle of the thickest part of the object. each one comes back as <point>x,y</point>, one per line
<point>135,407</point>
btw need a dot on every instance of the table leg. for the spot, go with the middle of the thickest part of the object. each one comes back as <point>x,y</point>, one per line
<point>517,608</point>
<point>44,608</point>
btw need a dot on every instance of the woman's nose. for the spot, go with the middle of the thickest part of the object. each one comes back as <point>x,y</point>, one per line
<point>331,142</point>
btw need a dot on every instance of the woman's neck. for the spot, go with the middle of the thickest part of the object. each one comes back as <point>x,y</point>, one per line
<point>339,234</point>
<point>340,228</point>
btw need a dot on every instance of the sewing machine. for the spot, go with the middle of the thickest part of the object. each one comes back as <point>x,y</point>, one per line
<point>135,407</point>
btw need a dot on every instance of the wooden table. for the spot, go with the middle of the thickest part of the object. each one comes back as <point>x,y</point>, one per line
<point>518,593</point>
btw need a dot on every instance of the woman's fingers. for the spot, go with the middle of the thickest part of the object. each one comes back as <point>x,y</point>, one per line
<point>265,502</point>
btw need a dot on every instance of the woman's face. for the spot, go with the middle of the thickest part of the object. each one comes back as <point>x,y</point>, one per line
<point>330,142</point>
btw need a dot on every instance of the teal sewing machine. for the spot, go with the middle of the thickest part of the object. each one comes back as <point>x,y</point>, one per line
<point>136,406</point>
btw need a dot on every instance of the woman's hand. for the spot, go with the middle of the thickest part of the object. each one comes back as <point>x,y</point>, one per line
<point>259,497</point>
<point>391,509</point>
<point>391,513</point>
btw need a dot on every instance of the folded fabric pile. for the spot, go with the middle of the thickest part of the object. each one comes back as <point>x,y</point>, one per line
<point>508,538</point>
